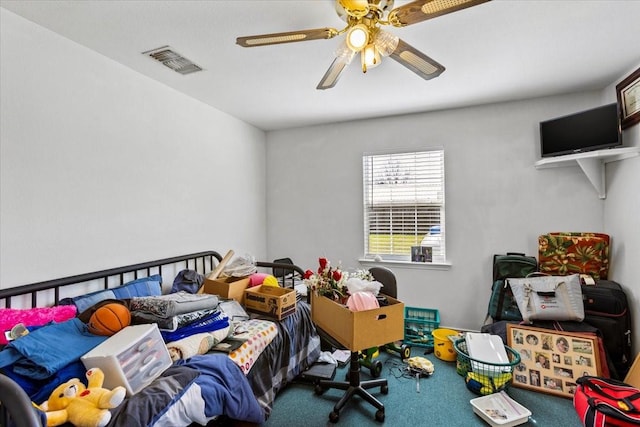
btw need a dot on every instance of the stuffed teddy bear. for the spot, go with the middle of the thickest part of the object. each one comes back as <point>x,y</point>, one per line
<point>82,406</point>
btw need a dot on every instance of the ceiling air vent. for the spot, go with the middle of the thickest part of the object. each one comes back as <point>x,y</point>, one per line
<point>173,60</point>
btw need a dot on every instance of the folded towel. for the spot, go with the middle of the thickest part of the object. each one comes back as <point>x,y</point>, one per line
<point>211,323</point>
<point>166,306</point>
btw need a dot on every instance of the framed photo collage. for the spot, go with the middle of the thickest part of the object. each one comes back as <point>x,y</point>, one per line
<point>550,360</point>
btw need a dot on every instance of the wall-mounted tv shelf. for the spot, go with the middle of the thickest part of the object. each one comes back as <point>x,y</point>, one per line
<point>592,164</point>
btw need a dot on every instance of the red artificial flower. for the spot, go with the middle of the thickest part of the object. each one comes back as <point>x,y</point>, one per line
<point>337,275</point>
<point>308,274</point>
<point>323,263</point>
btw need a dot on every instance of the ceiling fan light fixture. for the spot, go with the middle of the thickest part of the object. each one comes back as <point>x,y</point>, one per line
<point>363,35</point>
<point>386,42</point>
<point>370,57</point>
<point>357,37</point>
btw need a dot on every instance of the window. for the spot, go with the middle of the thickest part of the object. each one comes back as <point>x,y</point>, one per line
<point>404,204</point>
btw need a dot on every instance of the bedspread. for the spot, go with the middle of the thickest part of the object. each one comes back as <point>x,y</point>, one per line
<point>149,404</point>
<point>226,390</point>
<point>294,349</point>
<point>197,389</point>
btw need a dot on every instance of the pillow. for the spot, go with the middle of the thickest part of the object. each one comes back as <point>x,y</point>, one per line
<point>10,317</point>
<point>144,287</point>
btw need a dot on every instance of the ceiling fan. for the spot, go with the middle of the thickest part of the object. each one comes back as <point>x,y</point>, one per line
<point>364,35</point>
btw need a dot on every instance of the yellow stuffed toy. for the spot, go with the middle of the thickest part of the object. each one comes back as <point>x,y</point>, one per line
<point>82,406</point>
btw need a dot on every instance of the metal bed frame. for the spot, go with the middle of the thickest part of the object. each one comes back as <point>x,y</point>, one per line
<point>200,261</point>
<point>14,402</point>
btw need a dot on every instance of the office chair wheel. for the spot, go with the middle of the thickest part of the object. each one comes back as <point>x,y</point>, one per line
<point>384,389</point>
<point>405,352</point>
<point>376,368</point>
<point>318,389</point>
<point>334,416</point>
<point>380,415</point>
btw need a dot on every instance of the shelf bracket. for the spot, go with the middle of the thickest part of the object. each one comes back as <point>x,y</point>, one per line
<point>593,168</point>
<point>592,164</point>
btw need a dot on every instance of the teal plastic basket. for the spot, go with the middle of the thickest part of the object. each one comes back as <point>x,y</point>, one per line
<point>419,323</point>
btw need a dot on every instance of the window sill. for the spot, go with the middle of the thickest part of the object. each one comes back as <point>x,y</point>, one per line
<point>368,262</point>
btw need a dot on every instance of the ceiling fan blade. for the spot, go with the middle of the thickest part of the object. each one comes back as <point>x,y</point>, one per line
<point>344,56</point>
<point>288,37</point>
<point>421,10</point>
<point>416,61</point>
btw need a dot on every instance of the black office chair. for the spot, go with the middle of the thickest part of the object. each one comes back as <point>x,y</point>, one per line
<point>281,273</point>
<point>388,280</point>
<point>353,385</point>
<point>390,288</point>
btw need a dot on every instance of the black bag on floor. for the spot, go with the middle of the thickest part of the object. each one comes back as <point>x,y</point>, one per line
<point>502,305</point>
<point>606,308</point>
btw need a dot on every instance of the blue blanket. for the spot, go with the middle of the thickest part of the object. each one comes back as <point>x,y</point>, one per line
<point>147,406</point>
<point>226,390</point>
<point>41,353</point>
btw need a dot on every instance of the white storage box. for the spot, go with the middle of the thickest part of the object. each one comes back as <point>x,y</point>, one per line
<point>500,410</point>
<point>132,358</point>
<point>488,349</point>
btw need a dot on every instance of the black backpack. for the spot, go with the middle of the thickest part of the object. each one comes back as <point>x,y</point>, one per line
<point>502,305</point>
<point>188,281</point>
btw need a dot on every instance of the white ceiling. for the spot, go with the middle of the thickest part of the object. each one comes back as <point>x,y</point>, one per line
<point>497,51</point>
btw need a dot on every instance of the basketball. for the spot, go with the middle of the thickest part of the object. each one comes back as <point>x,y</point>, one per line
<point>109,319</point>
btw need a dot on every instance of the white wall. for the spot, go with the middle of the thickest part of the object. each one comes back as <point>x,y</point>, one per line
<point>496,201</point>
<point>622,217</point>
<point>102,167</point>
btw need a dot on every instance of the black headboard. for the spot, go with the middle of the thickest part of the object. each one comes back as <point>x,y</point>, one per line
<point>202,262</point>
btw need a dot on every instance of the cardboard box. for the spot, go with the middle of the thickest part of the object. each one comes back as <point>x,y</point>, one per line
<point>226,287</point>
<point>270,300</point>
<point>359,330</point>
<point>633,376</point>
<point>132,358</point>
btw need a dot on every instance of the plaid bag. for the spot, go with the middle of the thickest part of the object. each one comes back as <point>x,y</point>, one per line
<point>605,402</point>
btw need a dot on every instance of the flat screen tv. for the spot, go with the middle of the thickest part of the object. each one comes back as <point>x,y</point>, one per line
<point>588,130</point>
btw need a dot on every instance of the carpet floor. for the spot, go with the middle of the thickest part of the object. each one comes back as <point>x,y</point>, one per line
<point>442,400</point>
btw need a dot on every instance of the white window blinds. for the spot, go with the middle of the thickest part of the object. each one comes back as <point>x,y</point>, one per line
<point>404,203</point>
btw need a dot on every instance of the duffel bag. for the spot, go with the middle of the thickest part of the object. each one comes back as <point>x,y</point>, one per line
<point>549,297</point>
<point>605,402</point>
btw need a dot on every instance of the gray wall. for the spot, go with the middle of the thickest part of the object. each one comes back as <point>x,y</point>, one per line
<point>496,201</point>
<point>102,167</point>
